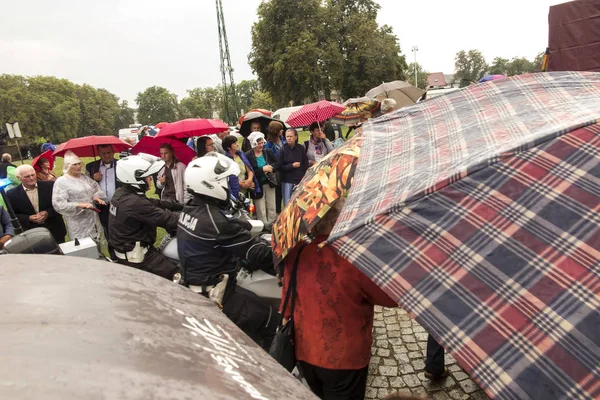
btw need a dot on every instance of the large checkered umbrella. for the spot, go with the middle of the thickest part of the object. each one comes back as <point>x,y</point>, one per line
<point>479,211</point>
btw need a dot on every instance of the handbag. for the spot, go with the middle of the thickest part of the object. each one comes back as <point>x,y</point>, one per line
<point>272,179</point>
<point>283,348</point>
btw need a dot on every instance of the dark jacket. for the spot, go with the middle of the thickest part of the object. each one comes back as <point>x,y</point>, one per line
<point>3,167</point>
<point>269,158</point>
<point>288,156</point>
<point>210,243</point>
<point>6,227</point>
<point>133,218</point>
<point>24,209</point>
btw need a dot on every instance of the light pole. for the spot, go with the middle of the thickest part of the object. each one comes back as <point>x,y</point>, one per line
<point>414,50</point>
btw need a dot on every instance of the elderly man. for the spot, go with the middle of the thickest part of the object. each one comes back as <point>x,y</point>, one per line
<point>4,164</point>
<point>32,204</point>
<point>103,171</point>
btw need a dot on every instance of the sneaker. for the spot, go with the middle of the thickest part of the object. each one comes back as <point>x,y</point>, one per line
<point>432,377</point>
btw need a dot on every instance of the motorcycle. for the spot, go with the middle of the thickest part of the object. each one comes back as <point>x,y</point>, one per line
<point>261,283</point>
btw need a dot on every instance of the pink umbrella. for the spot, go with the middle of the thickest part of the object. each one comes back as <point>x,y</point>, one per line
<point>319,111</point>
<point>86,146</point>
<point>192,127</point>
<point>151,145</point>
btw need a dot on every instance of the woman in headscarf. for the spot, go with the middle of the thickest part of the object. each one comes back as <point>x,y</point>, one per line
<point>73,196</point>
<point>264,163</point>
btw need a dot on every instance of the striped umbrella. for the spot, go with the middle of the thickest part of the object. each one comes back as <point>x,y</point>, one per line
<point>354,107</point>
<point>319,112</point>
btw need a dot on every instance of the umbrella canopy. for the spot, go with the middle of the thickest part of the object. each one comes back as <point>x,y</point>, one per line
<point>76,330</point>
<point>47,155</point>
<point>161,125</point>
<point>319,112</point>
<point>86,146</point>
<point>485,227</point>
<point>402,92</point>
<point>256,116</point>
<point>151,145</point>
<point>488,78</point>
<point>322,186</point>
<point>354,107</point>
<point>258,110</point>
<point>192,127</point>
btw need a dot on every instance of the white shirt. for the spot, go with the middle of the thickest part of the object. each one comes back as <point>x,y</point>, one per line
<point>108,183</point>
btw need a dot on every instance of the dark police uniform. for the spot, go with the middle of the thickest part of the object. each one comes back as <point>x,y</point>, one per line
<point>134,218</point>
<point>211,245</point>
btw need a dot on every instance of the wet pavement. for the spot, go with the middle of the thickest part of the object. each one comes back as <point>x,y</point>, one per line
<point>398,362</point>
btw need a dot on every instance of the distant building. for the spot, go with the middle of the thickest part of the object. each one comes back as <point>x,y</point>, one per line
<point>436,80</point>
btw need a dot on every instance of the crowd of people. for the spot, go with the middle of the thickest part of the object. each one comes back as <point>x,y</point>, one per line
<point>106,200</point>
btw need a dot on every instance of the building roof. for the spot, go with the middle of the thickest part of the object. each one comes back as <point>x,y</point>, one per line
<point>436,79</point>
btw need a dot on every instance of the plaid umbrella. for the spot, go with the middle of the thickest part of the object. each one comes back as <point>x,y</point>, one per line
<point>323,184</point>
<point>354,107</point>
<point>319,112</point>
<point>486,227</point>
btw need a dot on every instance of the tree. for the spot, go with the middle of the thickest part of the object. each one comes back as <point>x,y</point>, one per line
<point>499,66</point>
<point>469,67</point>
<point>302,50</point>
<point>422,76</point>
<point>519,66</point>
<point>202,103</point>
<point>125,116</point>
<point>370,54</point>
<point>538,61</point>
<point>156,104</point>
<point>263,100</point>
<point>245,90</point>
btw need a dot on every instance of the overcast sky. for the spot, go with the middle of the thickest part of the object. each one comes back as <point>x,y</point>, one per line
<point>126,46</point>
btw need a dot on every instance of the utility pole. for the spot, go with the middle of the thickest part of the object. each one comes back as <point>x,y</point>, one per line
<point>414,50</point>
<point>229,95</point>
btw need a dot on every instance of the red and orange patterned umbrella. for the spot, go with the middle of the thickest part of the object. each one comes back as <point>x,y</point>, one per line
<point>323,185</point>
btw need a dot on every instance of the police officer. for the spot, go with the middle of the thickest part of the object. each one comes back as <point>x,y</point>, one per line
<point>211,245</point>
<point>134,217</point>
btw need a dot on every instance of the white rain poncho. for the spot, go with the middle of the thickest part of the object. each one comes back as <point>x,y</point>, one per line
<point>68,192</point>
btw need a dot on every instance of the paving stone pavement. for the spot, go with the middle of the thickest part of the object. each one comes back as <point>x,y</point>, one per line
<point>398,362</point>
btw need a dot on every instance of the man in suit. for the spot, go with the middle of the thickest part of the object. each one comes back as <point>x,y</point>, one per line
<point>104,172</point>
<point>32,204</point>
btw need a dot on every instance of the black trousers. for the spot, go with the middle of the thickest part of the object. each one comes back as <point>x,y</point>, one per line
<point>155,263</point>
<point>434,362</point>
<point>278,198</point>
<point>251,314</point>
<point>335,384</point>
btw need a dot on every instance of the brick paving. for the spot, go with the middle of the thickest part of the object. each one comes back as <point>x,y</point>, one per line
<point>397,362</point>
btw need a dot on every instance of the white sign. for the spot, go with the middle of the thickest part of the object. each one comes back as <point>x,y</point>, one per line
<point>17,130</point>
<point>13,130</point>
<point>9,128</point>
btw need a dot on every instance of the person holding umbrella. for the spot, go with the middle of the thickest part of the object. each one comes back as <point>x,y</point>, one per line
<point>170,178</point>
<point>45,172</point>
<point>318,146</point>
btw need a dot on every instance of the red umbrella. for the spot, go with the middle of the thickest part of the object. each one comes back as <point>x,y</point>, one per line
<point>161,125</point>
<point>86,146</point>
<point>192,127</point>
<point>319,111</point>
<point>47,155</point>
<point>151,145</point>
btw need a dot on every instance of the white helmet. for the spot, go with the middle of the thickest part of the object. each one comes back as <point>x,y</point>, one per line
<point>208,175</point>
<point>133,170</point>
